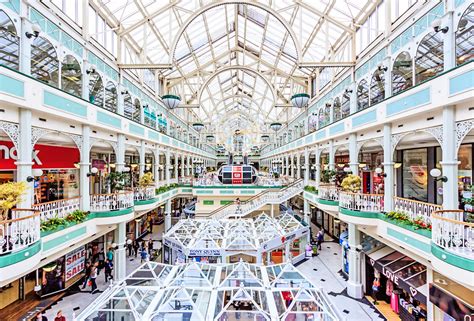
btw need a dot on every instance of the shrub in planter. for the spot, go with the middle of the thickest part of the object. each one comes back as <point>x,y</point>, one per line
<point>328,175</point>
<point>52,224</point>
<point>351,183</point>
<point>77,216</point>
<point>311,189</point>
<point>146,180</point>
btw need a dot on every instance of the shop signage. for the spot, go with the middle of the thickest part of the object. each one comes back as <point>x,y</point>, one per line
<point>75,262</point>
<point>44,156</point>
<point>204,252</point>
<point>389,274</point>
<point>172,244</point>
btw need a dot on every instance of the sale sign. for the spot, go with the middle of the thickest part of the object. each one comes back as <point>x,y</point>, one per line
<point>75,262</point>
<point>43,156</point>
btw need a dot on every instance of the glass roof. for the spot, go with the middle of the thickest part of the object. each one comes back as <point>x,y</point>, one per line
<point>196,291</point>
<point>203,38</point>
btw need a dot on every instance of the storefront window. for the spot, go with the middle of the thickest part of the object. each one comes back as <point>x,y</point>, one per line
<point>337,114</point>
<point>96,89</point>
<point>415,175</point>
<point>465,167</point>
<point>137,111</point>
<point>56,184</point>
<point>128,106</point>
<point>346,107</point>
<point>9,42</point>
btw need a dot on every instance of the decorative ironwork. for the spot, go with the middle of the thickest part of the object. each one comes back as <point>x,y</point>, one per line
<point>450,232</point>
<point>78,140</point>
<point>12,130</point>
<point>416,209</point>
<point>37,133</point>
<point>436,132</point>
<point>57,209</point>
<point>396,138</point>
<point>462,129</point>
<point>361,202</point>
<point>20,231</point>
<point>112,144</point>
<point>111,202</point>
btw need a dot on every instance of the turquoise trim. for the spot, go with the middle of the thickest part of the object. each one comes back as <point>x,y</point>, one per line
<point>186,190</point>
<point>403,237</point>
<point>369,215</point>
<point>327,202</point>
<point>320,134</point>
<point>336,128</point>
<point>451,258</point>
<point>153,135</point>
<point>12,86</point>
<point>247,192</point>
<point>13,5</point>
<point>109,120</point>
<point>111,213</point>
<point>420,231</point>
<point>19,256</point>
<point>48,245</point>
<point>226,192</point>
<point>145,202</point>
<point>135,129</point>
<point>64,104</point>
<point>300,95</point>
<point>417,99</point>
<point>171,97</point>
<point>363,119</point>
<point>238,187</point>
<point>461,82</point>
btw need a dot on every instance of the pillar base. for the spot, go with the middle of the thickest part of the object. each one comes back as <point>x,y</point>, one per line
<point>355,290</point>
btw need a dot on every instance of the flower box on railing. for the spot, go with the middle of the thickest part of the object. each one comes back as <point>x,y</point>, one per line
<point>57,209</point>
<point>19,232</point>
<point>111,202</point>
<point>415,209</point>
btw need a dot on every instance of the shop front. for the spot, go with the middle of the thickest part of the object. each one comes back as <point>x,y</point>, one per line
<point>332,225</point>
<point>397,281</point>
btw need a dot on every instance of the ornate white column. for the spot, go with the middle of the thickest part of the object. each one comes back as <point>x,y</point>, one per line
<point>167,167</point>
<point>354,284</point>
<point>298,165</point>
<point>292,168</point>
<point>389,180</point>
<point>332,163</point>
<point>120,259</point>
<point>449,161</point>
<point>156,166</point>
<point>353,154</point>
<point>25,152</point>
<point>307,166</point>
<point>182,165</point>
<point>141,168</point>
<point>317,164</point>
<point>188,166</point>
<point>176,166</point>
<point>84,182</point>
<point>167,215</point>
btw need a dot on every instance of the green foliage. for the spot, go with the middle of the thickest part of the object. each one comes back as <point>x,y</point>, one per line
<point>146,180</point>
<point>402,217</point>
<point>54,223</point>
<point>77,216</point>
<point>328,175</point>
<point>117,181</point>
<point>311,189</point>
<point>166,188</point>
<point>276,174</point>
<point>351,183</point>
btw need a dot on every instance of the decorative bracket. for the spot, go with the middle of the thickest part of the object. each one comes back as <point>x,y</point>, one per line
<point>12,130</point>
<point>462,129</point>
<point>37,133</point>
<point>436,132</point>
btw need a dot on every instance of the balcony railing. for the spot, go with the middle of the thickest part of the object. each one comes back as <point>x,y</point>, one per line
<point>22,230</point>
<point>57,209</point>
<point>144,193</point>
<point>111,202</point>
<point>361,202</point>
<point>328,192</point>
<point>416,209</point>
<point>451,233</point>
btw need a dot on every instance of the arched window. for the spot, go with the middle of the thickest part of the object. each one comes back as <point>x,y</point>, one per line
<point>336,109</point>
<point>362,95</point>
<point>150,117</point>
<point>327,113</point>
<point>137,111</point>
<point>71,76</point>
<point>464,37</point>
<point>44,61</point>
<point>127,106</point>
<point>96,89</point>
<point>402,74</point>
<point>345,106</point>
<point>111,97</point>
<point>9,43</point>
<point>377,87</point>
<point>321,120</point>
<point>429,57</point>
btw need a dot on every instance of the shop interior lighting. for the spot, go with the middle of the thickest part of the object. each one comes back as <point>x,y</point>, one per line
<point>93,172</point>
<point>380,172</point>
<point>397,165</point>
<point>436,174</point>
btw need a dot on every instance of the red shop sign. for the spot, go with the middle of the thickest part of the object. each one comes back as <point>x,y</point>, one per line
<point>44,156</point>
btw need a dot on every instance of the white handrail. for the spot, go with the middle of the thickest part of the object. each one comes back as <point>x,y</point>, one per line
<point>111,202</point>
<point>329,193</point>
<point>361,202</point>
<point>415,209</point>
<point>22,230</point>
<point>452,234</point>
<point>57,209</point>
<point>144,193</point>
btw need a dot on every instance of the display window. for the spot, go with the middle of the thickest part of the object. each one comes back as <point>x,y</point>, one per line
<point>415,174</point>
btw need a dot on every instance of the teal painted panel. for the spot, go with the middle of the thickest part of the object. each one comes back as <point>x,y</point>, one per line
<point>12,5</point>
<point>420,98</point>
<point>336,129</point>
<point>320,135</point>
<point>204,192</point>
<point>226,192</point>
<point>153,135</point>
<point>21,255</point>
<point>425,247</point>
<point>165,139</point>
<point>363,119</point>
<point>135,129</point>
<point>64,104</point>
<point>109,120</point>
<point>308,139</point>
<point>461,82</point>
<point>12,86</point>
<point>247,192</point>
<point>48,245</point>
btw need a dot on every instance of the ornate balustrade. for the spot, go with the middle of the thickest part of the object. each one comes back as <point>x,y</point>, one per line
<point>111,202</point>
<point>328,192</point>
<point>451,233</point>
<point>415,209</point>
<point>20,231</point>
<point>144,193</point>
<point>361,202</point>
<point>57,209</point>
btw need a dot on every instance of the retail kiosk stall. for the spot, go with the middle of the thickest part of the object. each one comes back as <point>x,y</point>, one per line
<point>262,239</point>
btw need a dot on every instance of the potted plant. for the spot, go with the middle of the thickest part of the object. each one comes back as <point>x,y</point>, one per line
<point>328,175</point>
<point>11,194</point>
<point>117,181</point>
<point>351,183</point>
<point>146,180</point>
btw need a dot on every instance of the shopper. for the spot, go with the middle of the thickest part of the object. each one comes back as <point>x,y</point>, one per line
<point>143,255</point>
<point>60,316</point>
<point>87,274</point>
<point>110,254</point>
<point>150,246</point>
<point>41,317</point>
<point>108,270</point>
<point>129,247</point>
<point>320,238</point>
<point>136,246</point>
<point>93,277</point>
<point>101,260</point>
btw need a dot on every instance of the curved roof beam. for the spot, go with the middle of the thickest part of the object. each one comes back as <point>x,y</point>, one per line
<point>244,68</point>
<point>212,5</point>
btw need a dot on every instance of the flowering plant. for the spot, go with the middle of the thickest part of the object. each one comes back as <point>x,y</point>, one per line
<point>11,193</point>
<point>351,183</point>
<point>146,180</point>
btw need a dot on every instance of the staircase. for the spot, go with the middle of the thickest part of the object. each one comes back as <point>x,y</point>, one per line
<point>256,202</point>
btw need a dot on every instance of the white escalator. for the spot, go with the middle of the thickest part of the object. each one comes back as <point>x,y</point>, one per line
<point>258,201</point>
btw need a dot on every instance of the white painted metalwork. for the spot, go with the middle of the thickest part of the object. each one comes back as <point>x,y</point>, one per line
<point>451,233</point>
<point>111,202</point>
<point>328,192</point>
<point>144,193</point>
<point>416,209</point>
<point>361,202</point>
<point>57,209</point>
<point>19,231</point>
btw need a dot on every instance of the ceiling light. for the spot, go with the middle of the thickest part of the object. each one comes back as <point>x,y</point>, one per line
<point>300,100</point>
<point>171,101</point>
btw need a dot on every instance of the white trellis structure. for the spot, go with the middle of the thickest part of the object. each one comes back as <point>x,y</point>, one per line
<point>196,291</point>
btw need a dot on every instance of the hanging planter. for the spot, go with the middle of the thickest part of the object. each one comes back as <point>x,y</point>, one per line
<point>275,126</point>
<point>171,101</point>
<point>300,100</point>
<point>198,126</point>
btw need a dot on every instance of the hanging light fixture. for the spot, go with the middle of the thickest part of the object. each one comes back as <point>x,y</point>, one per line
<point>171,101</point>
<point>265,138</point>
<point>300,100</point>
<point>198,126</point>
<point>209,138</point>
<point>275,126</point>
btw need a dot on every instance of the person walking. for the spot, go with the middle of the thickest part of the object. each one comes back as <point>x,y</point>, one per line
<point>87,274</point>
<point>93,277</point>
<point>101,260</point>
<point>108,270</point>
<point>41,317</point>
<point>110,254</point>
<point>136,247</point>
<point>320,238</point>
<point>129,247</point>
<point>60,316</point>
<point>143,255</point>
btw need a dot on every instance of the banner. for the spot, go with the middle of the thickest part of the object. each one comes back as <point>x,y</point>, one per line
<point>44,156</point>
<point>75,262</point>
